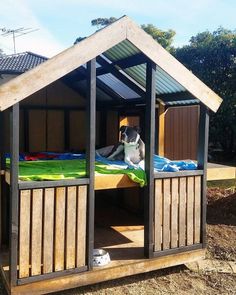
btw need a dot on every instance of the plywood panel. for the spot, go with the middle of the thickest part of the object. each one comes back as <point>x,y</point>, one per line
<point>158,215</point>
<point>37,130</point>
<point>112,128</point>
<point>182,211</point>
<point>77,130</point>
<point>174,212</point>
<point>48,230</point>
<point>81,225</point>
<point>166,214</point>
<point>197,209</point>
<point>21,132</point>
<point>161,131</point>
<point>60,229</point>
<point>190,203</point>
<point>70,227</point>
<point>58,93</point>
<point>130,121</point>
<point>36,242</point>
<point>24,233</point>
<point>55,131</point>
<point>181,132</point>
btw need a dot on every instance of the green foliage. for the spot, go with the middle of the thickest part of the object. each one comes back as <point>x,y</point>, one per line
<point>165,38</point>
<point>79,39</point>
<point>212,57</point>
<point>102,22</point>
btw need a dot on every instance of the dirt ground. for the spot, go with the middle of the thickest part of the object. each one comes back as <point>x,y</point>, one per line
<point>221,238</point>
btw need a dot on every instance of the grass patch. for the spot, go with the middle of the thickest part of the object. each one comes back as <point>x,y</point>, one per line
<point>224,184</point>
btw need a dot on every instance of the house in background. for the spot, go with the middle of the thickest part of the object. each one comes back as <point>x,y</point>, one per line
<point>16,64</point>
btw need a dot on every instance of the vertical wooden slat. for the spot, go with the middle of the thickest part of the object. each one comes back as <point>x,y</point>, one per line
<point>59,229</point>
<point>24,232</point>
<point>190,199</point>
<point>70,227</point>
<point>158,215</point>
<point>14,193</point>
<point>36,242</point>
<point>81,226</point>
<point>166,214</point>
<point>174,212</point>
<point>182,212</point>
<point>48,230</point>
<point>197,209</point>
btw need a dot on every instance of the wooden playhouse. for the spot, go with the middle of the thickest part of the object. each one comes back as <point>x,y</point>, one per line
<point>75,102</point>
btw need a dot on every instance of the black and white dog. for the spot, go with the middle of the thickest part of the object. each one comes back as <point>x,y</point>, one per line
<point>131,146</point>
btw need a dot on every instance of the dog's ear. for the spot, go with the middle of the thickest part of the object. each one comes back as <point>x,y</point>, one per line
<point>122,128</point>
<point>137,128</point>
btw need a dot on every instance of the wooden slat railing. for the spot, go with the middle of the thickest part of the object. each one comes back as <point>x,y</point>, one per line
<point>52,230</point>
<point>177,218</point>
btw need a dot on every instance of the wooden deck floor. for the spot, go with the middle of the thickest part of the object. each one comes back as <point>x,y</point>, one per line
<point>220,172</point>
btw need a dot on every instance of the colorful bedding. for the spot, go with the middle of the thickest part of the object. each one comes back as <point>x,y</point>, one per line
<point>57,166</point>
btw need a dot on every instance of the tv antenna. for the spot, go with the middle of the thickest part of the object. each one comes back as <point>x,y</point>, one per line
<point>16,33</point>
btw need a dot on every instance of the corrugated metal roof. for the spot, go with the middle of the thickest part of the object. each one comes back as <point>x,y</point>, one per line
<point>119,87</point>
<point>164,83</point>
<point>101,95</point>
<point>182,102</point>
<point>20,63</point>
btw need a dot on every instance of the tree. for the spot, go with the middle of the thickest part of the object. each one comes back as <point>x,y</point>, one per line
<point>165,38</point>
<point>99,23</point>
<point>79,39</point>
<point>212,57</point>
<point>103,22</point>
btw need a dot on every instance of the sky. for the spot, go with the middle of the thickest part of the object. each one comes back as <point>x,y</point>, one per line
<point>58,23</point>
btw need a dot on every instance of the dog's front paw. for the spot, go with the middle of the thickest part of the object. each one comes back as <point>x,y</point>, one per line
<point>132,166</point>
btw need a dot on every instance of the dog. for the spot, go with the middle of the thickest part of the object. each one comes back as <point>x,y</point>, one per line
<point>131,146</point>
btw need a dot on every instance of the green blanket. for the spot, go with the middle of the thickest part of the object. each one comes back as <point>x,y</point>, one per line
<point>71,169</point>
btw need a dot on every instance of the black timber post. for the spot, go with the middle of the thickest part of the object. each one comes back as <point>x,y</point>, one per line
<point>14,199</point>
<point>202,158</point>
<point>90,155</point>
<point>149,153</point>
